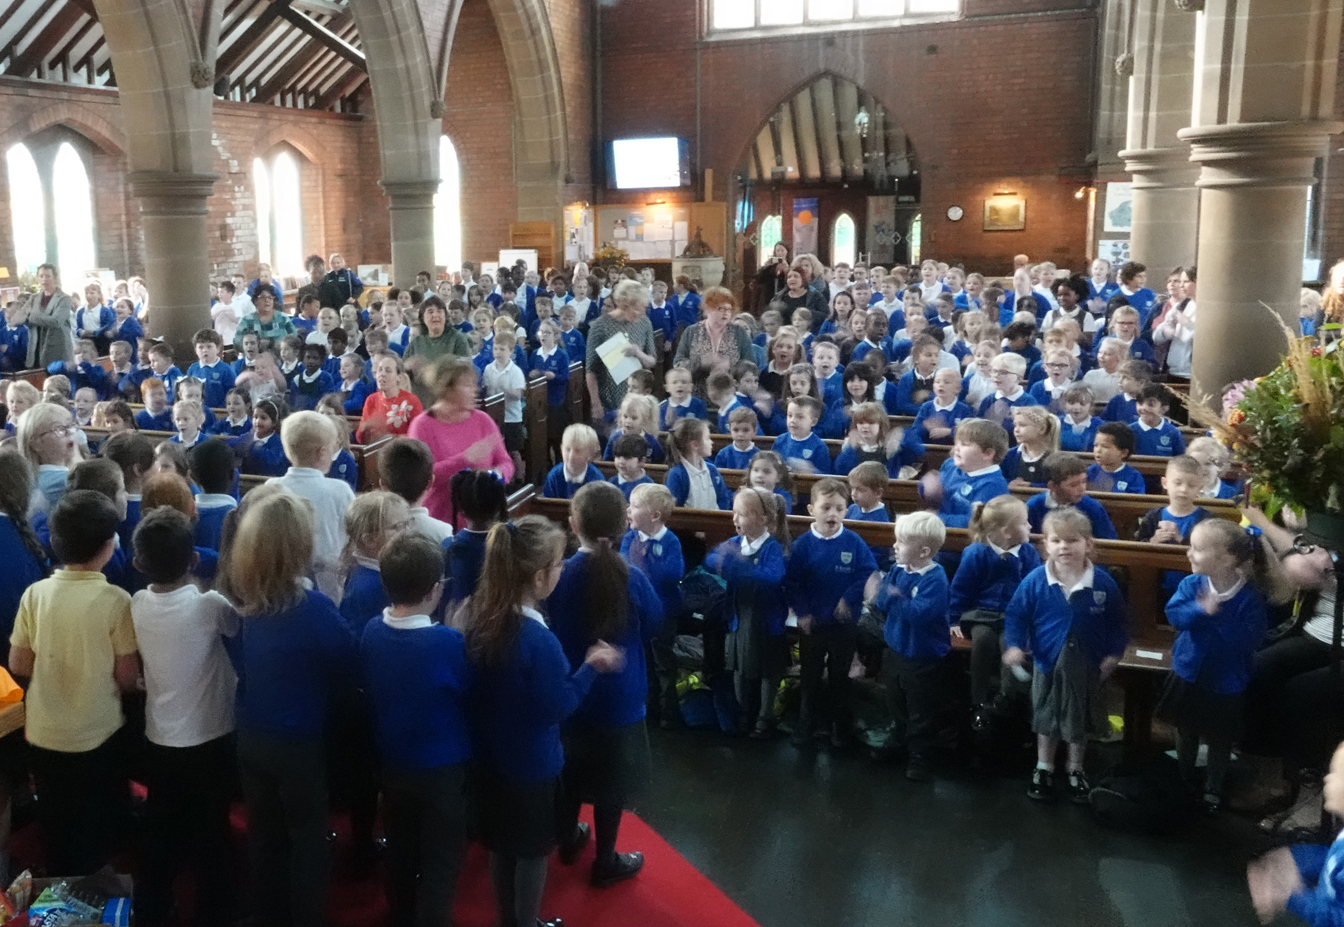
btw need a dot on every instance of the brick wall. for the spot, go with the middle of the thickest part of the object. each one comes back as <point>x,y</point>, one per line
<point>999,102</point>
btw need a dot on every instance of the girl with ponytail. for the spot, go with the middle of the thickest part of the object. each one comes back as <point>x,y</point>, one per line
<point>523,687</point>
<point>752,563</point>
<point>1219,613</point>
<point>479,498</point>
<point>600,598</point>
<point>25,560</point>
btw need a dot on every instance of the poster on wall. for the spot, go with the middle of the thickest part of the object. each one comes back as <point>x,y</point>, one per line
<point>882,229</point>
<point>1119,213</point>
<point>805,226</point>
<point>1115,250</point>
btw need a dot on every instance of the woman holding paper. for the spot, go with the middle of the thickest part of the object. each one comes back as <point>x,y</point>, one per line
<point>622,317</point>
<point>715,343</point>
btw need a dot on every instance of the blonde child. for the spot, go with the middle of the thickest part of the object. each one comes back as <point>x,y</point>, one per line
<point>1009,371</point>
<point>505,376</point>
<point>343,465</point>
<point>46,435</point>
<point>1215,457</point>
<point>637,416</point>
<point>188,418</point>
<point>1070,617</point>
<point>370,522</point>
<point>783,351</point>
<point>979,380</point>
<point>679,402</point>
<point>328,319</point>
<point>872,439</point>
<point>970,330</point>
<point>1060,368</point>
<point>579,447</point>
<point>693,481</point>
<point>311,442</point>
<point>20,396</point>
<point>1104,379</point>
<point>1037,433</point>
<point>768,472</point>
<point>1077,425</point>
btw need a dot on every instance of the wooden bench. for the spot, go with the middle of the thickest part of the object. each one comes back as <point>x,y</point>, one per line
<point>1138,567</point>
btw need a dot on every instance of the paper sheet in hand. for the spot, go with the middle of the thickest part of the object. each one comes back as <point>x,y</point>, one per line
<point>612,353</point>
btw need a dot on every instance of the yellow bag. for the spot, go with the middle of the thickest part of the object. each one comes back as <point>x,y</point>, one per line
<point>10,691</point>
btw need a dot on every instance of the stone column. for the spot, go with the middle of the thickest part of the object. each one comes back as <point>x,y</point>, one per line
<point>411,208</point>
<point>1253,207</point>
<point>177,265</point>
<point>1166,203</point>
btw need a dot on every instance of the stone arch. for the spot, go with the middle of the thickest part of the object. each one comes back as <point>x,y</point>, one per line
<point>102,133</point>
<point>297,137</point>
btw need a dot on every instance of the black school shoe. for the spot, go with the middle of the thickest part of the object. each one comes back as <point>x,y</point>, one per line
<point>570,850</point>
<point>1042,786</point>
<point>621,867</point>
<point>1080,790</point>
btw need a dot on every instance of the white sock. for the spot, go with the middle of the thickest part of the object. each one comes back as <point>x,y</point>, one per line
<point>1046,766</point>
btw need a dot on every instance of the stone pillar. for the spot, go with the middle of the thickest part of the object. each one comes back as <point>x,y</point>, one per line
<point>411,208</point>
<point>1166,203</point>
<point>177,265</point>
<point>1253,207</point>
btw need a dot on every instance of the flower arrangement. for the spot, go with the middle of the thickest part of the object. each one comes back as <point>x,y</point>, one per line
<point>609,255</point>
<point>1288,429</point>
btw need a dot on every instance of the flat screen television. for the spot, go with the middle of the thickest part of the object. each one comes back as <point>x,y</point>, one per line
<point>648,163</point>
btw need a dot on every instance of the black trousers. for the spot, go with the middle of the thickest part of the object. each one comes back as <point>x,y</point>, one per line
<point>187,823</point>
<point>915,691</point>
<point>827,650</point>
<point>83,802</point>
<point>425,814</point>
<point>285,786</point>
<point>1293,708</point>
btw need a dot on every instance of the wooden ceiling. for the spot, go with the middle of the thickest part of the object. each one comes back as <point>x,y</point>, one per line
<point>297,53</point>
<point>831,131</point>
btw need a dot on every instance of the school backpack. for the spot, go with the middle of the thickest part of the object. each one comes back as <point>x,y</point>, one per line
<point>1144,797</point>
<point>704,595</point>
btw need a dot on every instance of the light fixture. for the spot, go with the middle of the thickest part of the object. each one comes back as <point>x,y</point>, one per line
<point>1081,192</point>
<point>861,122</point>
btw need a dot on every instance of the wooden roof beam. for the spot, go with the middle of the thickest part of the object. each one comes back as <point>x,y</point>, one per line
<point>32,57</point>
<point>250,38</point>
<point>324,35</point>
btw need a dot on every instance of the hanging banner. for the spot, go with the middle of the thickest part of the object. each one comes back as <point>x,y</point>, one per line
<point>805,226</point>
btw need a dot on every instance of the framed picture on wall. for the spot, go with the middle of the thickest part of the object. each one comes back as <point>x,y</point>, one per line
<point>1005,213</point>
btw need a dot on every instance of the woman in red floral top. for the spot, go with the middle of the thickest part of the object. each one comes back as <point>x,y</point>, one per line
<point>390,410</point>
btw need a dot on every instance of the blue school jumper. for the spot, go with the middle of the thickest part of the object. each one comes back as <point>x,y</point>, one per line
<point>13,347</point>
<point>659,558</point>
<point>685,308</point>
<point>169,379</point>
<point>1078,437</point>
<point>1102,527</point>
<point>1141,300</point>
<point>557,363</point>
<point>758,578</point>
<point>1104,292</point>
<point>218,379</point>
<point>211,510</point>
<point>1217,651</point>
<point>1040,618</point>
<point>616,699</point>
<point>1126,479</point>
<point>916,614</point>
<point>225,429</point>
<point>810,452</point>
<point>359,393</point>
<point>416,677</point>
<point>999,409</point>
<point>962,490</point>
<point>730,458</point>
<point>557,486</point>
<point>265,457</point>
<point>1121,407</point>
<point>1163,441</point>
<point>1040,391</point>
<point>363,598</point>
<point>655,449</point>
<point>832,388</point>
<point>822,571</point>
<point>574,344</point>
<point>664,319</point>
<point>679,484</point>
<point>305,390</point>
<point>1320,903</point>
<point>900,350</point>
<point>288,666</point>
<point>463,560</point>
<point>130,331</point>
<point>304,326</point>
<point>345,468</point>
<point>668,414</point>
<point>628,486</point>
<point>948,418</point>
<point>865,347</point>
<point>1138,350</point>
<point>987,579</point>
<point>881,553</point>
<point>1013,467</point>
<point>400,342</point>
<point>515,707</point>
<point>99,322</point>
<point>733,404</point>
<point>22,569</point>
<point>80,375</point>
<point>148,422</point>
<point>241,365</point>
<point>911,394</point>
<point>908,453</point>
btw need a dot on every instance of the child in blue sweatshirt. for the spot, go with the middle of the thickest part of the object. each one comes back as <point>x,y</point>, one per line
<point>871,440</point>
<point>1008,371</point>
<point>1123,406</point>
<point>600,598</point>
<point>972,473</point>
<point>991,569</point>
<point>480,498</point>
<point>694,482</point>
<point>262,452</point>
<point>157,415</point>
<point>913,600</point>
<point>578,450</point>
<point>370,522</point>
<point>679,402</point>
<point>1066,487</point>
<point>312,382</point>
<point>752,563</point>
<point>211,468</point>
<point>915,388</point>
<point>1219,614</point>
<point>800,447</point>
<point>416,678</point>
<point>743,425</point>
<point>827,565</point>
<point>637,416</point>
<point>938,418</point>
<point>1110,449</point>
<point>630,453</point>
<point>1077,425</point>
<point>552,362</point>
<point>651,547</point>
<point>522,687</point>
<point>216,375</point>
<point>1068,619</point>
<point>1154,435</point>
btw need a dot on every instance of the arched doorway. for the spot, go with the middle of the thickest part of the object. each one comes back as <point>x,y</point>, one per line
<point>829,168</point>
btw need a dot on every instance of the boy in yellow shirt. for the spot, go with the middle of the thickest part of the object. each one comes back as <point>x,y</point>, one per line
<point>74,642</point>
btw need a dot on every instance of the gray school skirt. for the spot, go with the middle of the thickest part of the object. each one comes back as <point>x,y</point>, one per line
<point>1065,701</point>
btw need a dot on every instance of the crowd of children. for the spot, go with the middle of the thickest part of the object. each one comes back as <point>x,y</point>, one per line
<point>490,683</point>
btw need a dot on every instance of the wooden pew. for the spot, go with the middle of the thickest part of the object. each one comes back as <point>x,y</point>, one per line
<point>576,395</point>
<point>536,414</point>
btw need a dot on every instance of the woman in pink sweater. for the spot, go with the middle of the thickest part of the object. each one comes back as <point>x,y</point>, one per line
<point>460,436</point>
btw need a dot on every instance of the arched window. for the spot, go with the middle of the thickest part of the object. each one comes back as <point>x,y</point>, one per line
<point>26,211</point>
<point>771,235</point>
<point>448,208</point>
<point>73,201</point>
<point>279,214</point>
<point>844,243</point>
<point>916,232</point>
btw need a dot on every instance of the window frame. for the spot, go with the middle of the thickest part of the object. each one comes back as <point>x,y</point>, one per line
<point>269,160</point>
<point>22,222</point>
<point>854,232</point>
<point>809,25</point>
<point>766,252</point>
<point>450,263</point>
<point>61,206</point>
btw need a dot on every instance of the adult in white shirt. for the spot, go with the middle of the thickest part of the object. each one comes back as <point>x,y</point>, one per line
<point>1177,328</point>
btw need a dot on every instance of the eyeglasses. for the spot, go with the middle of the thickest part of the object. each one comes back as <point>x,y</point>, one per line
<point>63,431</point>
<point>1056,366</point>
